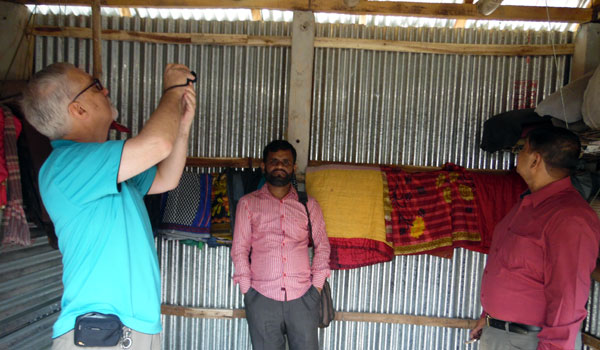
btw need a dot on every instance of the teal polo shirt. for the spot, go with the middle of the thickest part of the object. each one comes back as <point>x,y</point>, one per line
<point>109,259</point>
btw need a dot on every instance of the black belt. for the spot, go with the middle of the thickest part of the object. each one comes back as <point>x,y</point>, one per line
<point>511,326</point>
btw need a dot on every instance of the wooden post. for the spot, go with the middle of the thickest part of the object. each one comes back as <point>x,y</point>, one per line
<point>96,40</point>
<point>587,48</point>
<point>15,45</point>
<point>460,23</point>
<point>256,15</point>
<point>303,48</point>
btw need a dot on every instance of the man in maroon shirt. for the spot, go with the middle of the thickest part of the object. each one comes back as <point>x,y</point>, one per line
<point>270,255</point>
<point>537,278</point>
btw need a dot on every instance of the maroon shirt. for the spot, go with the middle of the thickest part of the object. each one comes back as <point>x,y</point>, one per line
<point>540,261</point>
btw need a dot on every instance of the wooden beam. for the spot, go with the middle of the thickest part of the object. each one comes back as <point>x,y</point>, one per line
<point>175,310</point>
<point>206,162</point>
<point>460,11</point>
<point>256,15</point>
<point>191,312</point>
<point>445,48</point>
<point>125,12</point>
<point>166,38</point>
<point>464,323</point>
<point>96,38</point>
<point>590,341</point>
<point>460,23</point>
<point>362,20</point>
<point>303,49</point>
<point>431,10</point>
<point>342,43</point>
<point>284,5</point>
<point>214,162</point>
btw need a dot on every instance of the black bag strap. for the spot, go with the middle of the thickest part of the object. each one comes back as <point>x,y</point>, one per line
<point>303,198</point>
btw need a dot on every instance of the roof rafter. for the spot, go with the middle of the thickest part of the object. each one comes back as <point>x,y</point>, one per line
<point>364,7</point>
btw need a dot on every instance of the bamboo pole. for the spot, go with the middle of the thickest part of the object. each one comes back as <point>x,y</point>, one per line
<point>341,43</point>
<point>96,38</point>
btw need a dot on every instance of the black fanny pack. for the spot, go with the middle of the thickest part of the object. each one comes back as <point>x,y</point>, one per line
<point>96,329</point>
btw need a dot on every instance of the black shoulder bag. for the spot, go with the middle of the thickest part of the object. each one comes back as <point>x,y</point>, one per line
<point>326,311</point>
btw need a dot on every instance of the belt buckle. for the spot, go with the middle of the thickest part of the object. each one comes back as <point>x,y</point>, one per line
<point>487,320</point>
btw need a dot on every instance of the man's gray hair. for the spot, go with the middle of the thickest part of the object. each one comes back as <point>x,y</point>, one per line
<point>46,99</point>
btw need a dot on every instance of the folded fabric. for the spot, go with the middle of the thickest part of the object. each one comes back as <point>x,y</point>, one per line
<point>430,210</point>
<point>186,209</point>
<point>351,199</point>
<point>239,183</point>
<point>495,195</point>
<point>591,108</point>
<point>565,103</point>
<point>220,212</point>
<point>587,184</point>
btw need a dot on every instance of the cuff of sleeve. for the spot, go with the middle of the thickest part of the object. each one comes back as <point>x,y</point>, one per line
<point>319,281</point>
<point>245,285</point>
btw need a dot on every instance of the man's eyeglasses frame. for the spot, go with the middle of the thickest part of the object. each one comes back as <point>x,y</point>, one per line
<point>95,83</point>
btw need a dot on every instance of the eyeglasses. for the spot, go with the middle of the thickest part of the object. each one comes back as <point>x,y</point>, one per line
<point>95,83</point>
<point>517,148</point>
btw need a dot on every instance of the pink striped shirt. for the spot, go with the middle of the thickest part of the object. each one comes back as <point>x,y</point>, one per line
<point>277,233</point>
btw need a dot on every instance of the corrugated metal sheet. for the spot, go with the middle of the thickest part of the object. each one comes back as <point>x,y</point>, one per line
<point>421,109</point>
<point>368,107</point>
<point>30,294</point>
<point>414,285</point>
<point>242,91</point>
<point>322,17</point>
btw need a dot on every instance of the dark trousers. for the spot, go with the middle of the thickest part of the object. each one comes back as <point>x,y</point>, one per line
<point>270,320</point>
<point>498,339</point>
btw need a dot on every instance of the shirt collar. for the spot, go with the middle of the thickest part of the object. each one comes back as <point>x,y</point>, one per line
<point>61,143</point>
<point>547,191</point>
<point>292,194</point>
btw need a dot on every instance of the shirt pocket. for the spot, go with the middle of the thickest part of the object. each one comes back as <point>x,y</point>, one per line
<point>299,222</point>
<point>524,255</point>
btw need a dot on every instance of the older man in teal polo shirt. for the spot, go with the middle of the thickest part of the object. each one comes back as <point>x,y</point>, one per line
<point>93,190</point>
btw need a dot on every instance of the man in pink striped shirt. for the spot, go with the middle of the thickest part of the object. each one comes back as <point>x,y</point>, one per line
<point>270,255</point>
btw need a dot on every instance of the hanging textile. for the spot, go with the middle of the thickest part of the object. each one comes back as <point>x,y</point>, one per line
<point>240,183</point>
<point>185,211</point>
<point>14,224</point>
<point>430,210</point>
<point>221,225</point>
<point>351,199</point>
<point>496,195</point>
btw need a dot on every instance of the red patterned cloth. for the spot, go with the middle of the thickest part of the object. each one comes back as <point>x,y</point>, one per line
<point>496,194</point>
<point>14,224</point>
<point>430,210</point>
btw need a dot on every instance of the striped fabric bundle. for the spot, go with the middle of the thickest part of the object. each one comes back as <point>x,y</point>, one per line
<point>430,210</point>
<point>14,223</point>
<point>185,211</point>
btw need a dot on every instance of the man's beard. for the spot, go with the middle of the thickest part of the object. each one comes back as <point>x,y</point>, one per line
<point>279,181</point>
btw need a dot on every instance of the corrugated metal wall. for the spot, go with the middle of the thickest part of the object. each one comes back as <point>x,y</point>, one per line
<point>368,107</point>
<point>421,109</point>
<point>242,91</point>
<point>30,294</point>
